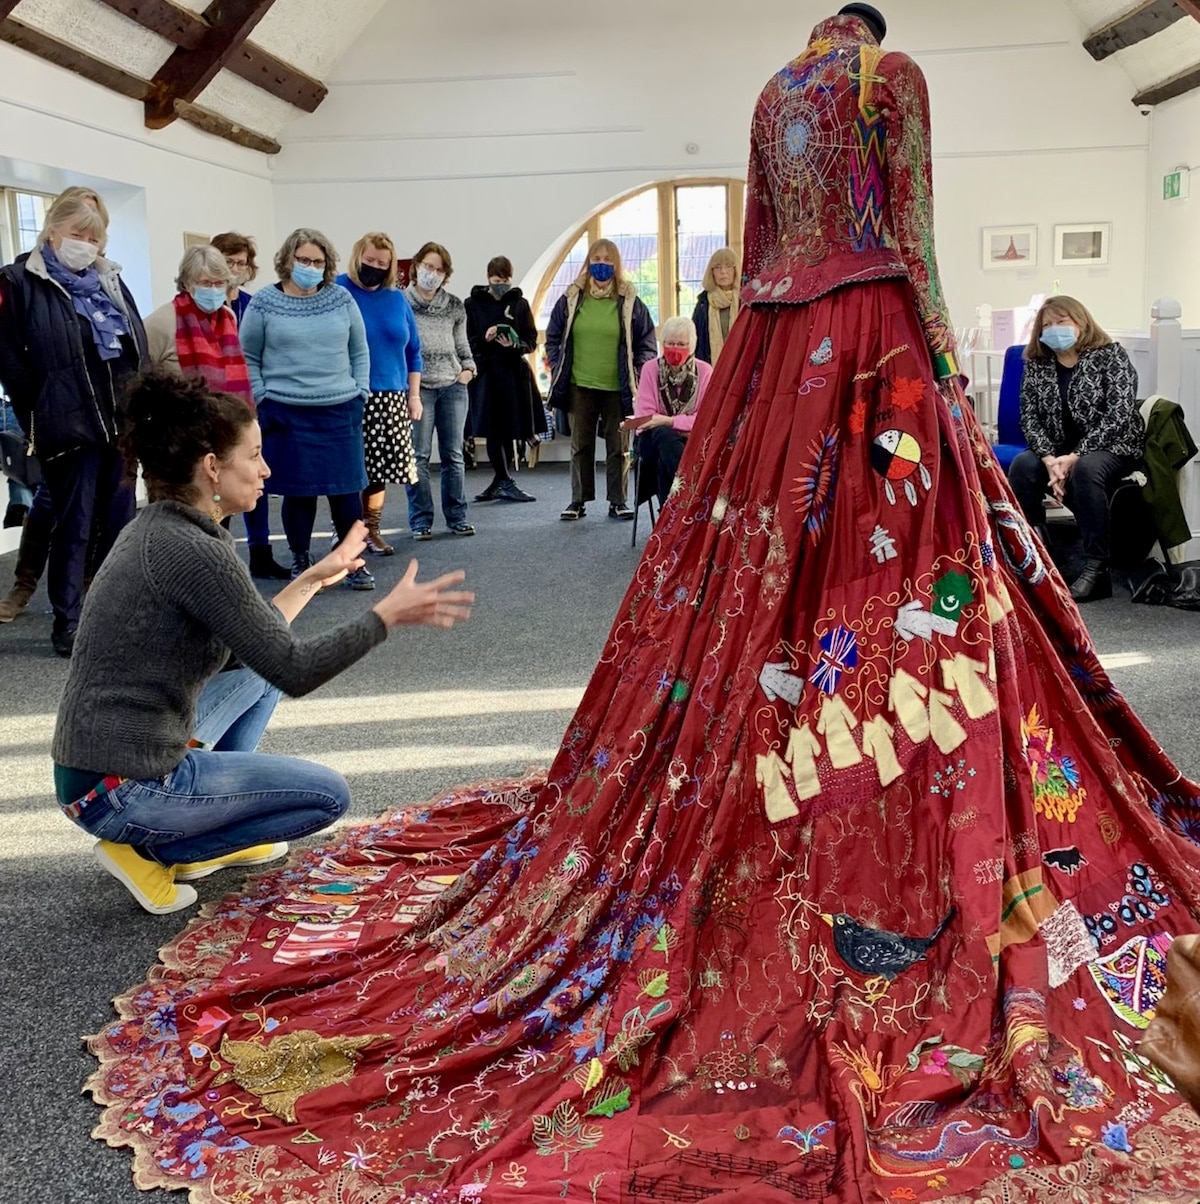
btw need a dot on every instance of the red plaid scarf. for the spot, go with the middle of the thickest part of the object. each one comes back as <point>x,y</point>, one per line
<point>208,347</point>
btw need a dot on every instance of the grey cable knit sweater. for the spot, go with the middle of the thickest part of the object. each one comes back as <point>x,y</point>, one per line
<point>170,602</point>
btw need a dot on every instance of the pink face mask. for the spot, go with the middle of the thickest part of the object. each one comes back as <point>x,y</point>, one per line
<point>676,356</point>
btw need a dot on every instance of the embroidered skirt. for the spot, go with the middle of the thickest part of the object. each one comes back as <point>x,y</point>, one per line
<point>388,439</point>
<point>313,451</point>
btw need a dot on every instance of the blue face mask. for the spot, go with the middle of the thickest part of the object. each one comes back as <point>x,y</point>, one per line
<point>602,273</point>
<point>208,299</point>
<point>1059,338</point>
<point>305,277</point>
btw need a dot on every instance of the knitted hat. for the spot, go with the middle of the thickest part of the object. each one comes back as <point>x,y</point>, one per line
<point>870,15</point>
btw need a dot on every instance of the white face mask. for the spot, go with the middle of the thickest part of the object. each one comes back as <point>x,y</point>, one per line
<point>75,254</point>
<point>430,280</point>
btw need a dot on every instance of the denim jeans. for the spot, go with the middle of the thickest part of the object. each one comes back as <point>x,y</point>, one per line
<point>445,408</point>
<point>217,802</point>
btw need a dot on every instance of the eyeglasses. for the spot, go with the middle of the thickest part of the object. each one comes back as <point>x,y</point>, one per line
<point>236,264</point>
<point>310,263</point>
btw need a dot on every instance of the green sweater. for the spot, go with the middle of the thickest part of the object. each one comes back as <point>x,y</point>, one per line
<point>169,604</point>
<point>597,345</point>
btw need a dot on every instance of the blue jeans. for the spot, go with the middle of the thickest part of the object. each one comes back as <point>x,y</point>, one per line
<point>18,494</point>
<point>218,802</point>
<point>447,409</point>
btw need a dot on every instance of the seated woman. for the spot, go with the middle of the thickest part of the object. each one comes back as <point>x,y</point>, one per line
<point>154,748</point>
<point>1080,417</point>
<point>669,391</point>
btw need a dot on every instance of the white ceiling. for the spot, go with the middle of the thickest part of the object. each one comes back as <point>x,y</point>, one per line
<point>313,35</point>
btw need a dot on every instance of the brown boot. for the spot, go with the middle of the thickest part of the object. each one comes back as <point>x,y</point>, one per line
<point>31,564</point>
<point>372,514</point>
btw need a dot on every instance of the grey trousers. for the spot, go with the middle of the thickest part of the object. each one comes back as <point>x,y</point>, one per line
<point>588,408</point>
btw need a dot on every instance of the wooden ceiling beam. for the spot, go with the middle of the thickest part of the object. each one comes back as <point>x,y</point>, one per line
<point>1149,18</point>
<point>252,63</point>
<point>189,71</point>
<point>1177,85</point>
<point>214,123</point>
<point>6,7</point>
<point>1190,6</point>
<point>25,37</point>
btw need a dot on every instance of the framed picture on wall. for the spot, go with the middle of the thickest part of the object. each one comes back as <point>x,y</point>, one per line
<point>192,239</point>
<point>1010,247</point>
<point>1084,245</point>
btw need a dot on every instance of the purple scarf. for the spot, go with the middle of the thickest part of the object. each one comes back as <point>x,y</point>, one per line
<point>87,294</point>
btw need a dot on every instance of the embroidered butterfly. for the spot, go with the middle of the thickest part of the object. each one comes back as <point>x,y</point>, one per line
<point>805,1140</point>
<point>823,354</point>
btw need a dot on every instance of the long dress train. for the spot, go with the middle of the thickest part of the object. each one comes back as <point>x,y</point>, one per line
<point>852,879</point>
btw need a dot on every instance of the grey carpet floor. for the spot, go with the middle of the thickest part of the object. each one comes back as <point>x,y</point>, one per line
<point>426,711</point>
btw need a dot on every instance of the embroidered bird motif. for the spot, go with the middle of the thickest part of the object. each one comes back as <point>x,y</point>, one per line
<point>877,954</point>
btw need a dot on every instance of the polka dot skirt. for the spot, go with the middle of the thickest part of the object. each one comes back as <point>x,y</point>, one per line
<point>388,441</point>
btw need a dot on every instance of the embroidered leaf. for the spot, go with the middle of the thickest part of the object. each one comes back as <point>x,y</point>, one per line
<point>563,1132</point>
<point>914,1058</point>
<point>595,1072</point>
<point>657,1010</point>
<point>608,1107</point>
<point>665,939</point>
<point>307,1138</point>
<point>652,984</point>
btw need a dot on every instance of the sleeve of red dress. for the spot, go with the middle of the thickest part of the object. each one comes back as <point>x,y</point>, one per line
<point>761,229</point>
<point>904,102</point>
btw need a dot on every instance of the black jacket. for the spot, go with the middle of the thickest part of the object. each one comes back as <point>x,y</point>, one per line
<point>504,394</point>
<point>638,344</point>
<point>1102,399</point>
<point>65,397</point>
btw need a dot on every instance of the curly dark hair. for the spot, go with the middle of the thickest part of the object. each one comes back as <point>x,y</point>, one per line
<point>171,423</point>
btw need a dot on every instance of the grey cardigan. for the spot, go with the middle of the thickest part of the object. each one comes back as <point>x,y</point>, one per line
<point>169,604</point>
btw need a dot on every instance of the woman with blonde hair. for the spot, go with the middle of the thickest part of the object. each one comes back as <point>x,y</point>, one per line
<point>600,336</point>
<point>1080,417</point>
<point>70,339</point>
<point>394,402</point>
<point>306,349</point>
<point>717,304</point>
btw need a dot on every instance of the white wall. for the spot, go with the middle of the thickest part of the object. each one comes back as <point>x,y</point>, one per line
<point>428,143</point>
<point>1173,262</point>
<point>58,129</point>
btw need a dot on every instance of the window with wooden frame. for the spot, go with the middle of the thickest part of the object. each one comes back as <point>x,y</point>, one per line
<point>666,233</point>
<point>22,215</point>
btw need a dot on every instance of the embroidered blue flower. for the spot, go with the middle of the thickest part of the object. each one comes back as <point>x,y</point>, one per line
<point>1116,1137</point>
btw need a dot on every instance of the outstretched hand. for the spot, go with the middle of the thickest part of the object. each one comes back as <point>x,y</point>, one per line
<point>434,603</point>
<point>344,559</point>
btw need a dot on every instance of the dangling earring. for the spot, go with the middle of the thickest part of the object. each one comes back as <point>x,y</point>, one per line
<point>216,510</point>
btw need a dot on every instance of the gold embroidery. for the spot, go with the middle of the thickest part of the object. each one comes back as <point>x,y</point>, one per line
<point>290,1066</point>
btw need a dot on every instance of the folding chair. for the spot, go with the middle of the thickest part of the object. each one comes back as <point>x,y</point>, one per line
<point>643,488</point>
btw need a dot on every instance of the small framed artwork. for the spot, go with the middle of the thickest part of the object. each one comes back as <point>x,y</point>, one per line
<point>1083,245</point>
<point>1010,247</point>
<point>192,239</point>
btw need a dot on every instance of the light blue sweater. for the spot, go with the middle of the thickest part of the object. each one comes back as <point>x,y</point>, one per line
<point>306,351</point>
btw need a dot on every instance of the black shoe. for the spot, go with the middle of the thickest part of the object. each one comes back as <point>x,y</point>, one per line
<point>422,534</point>
<point>510,491</point>
<point>300,562</point>
<point>263,564</point>
<point>62,640</point>
<point>14,516</point>
<point>461,529</point>
<point>1093,584</point>
<point>619,510</point>
<point>574,512</point>
<point>491,492</point>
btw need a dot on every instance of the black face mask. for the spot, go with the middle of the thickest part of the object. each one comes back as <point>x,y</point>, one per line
<point>370,276</point>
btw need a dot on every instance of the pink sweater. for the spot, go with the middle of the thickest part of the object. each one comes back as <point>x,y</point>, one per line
<point>647,400</point>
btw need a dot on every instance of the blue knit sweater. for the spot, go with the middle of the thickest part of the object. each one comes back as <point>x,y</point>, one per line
<point>306,351</point>
<point>391,335</point>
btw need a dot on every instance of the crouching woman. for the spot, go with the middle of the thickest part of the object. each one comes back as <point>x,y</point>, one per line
<point>154,749</point>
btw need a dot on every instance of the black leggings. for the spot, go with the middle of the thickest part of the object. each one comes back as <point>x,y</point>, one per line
<point>500,454</point>
<point>300,513</point>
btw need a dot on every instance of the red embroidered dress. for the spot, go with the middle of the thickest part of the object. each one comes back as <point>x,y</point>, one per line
<point>852,879</point>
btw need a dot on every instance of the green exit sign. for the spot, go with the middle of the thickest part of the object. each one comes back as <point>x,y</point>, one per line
<point>1175,186</point>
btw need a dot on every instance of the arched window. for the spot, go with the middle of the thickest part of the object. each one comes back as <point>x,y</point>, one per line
<point>666,233</point>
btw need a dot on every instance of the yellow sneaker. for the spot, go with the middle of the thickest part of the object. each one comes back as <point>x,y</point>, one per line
<point>257,854</point>
<point>151,884</point>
